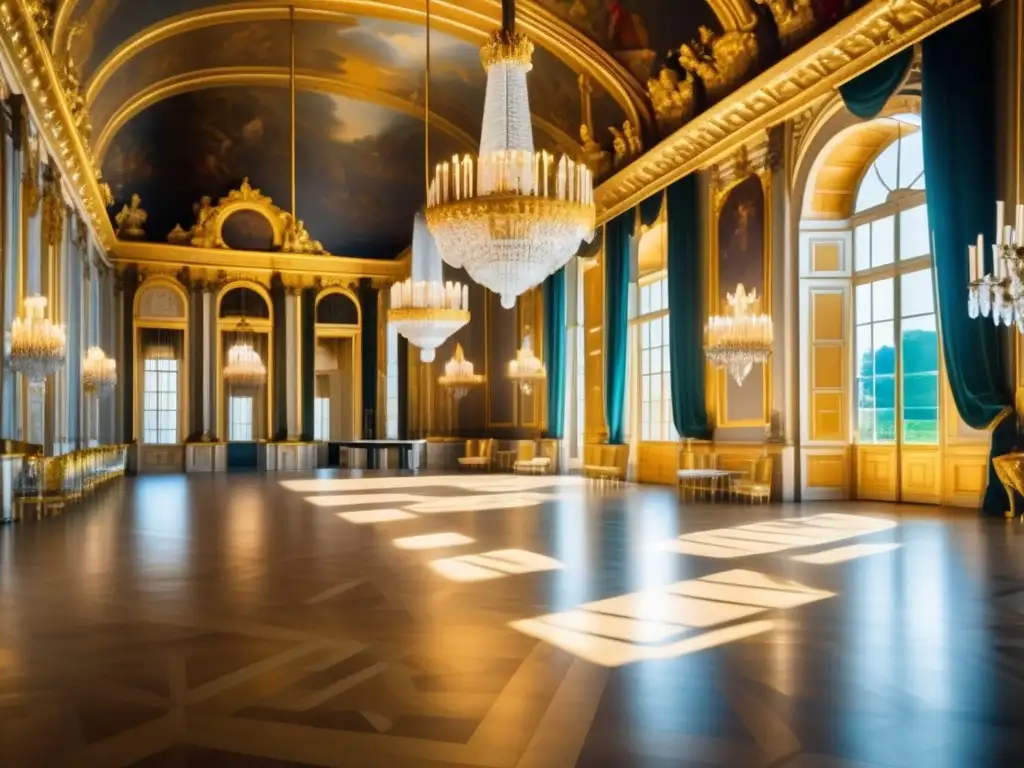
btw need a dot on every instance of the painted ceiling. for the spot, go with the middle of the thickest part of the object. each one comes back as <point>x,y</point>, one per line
<point>187,97</point>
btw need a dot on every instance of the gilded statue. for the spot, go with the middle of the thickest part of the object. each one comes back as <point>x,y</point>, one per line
<point>672,98</point>
<point>633,141</point>
<point>720,61</point>
<point>626,144</point>
<point>179,236</point>
<point>794,20</point>
<point>297,239</point>
<point>131,220</point>
<point>597,159</point>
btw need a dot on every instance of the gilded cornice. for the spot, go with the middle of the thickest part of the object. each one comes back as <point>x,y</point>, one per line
<point>274,76</point>
<point>208,264</point>
<point>856,43</point>
<point>471,20</point>
<point>26,50</point>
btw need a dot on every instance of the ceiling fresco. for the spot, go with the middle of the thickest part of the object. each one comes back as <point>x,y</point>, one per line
<point>610,79</point>
<point>358,166</point>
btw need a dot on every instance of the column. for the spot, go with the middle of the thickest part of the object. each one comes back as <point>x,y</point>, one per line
<point>11,425</point>
<point>292,363</point>
<point>208,325</point>
<point>370,342</point>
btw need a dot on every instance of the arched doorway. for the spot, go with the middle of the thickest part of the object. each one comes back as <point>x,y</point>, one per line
<point>337,397</point>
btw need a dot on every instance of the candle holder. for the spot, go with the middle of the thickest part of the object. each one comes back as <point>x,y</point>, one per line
<point>1000,294</point>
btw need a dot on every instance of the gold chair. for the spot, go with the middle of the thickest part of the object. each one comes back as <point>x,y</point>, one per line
<point>606,462</point>
<point>527,461</point>
<point>478,454</point>
<point>759,483</point>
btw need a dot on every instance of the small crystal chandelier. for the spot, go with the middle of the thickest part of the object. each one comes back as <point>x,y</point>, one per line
<point>99,372</point>
<point>512,216</point>
<point>458,375</point>
<point>1000,295</point>
<point>425,309</point>
<point>245,368</point>
<point>38,347</point>
<point>527,368</point>
<point>740,339</point>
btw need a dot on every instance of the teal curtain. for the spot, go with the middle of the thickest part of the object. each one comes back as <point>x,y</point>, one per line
<point>957,107</point>
<point>650,208</point>
<point>686,310</point>
<point>866,94</point>
<point>618,235</point>
<point>554,351</point>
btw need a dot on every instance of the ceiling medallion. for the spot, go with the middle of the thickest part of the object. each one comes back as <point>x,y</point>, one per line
<point>740,339</point>
<point>512,215</point>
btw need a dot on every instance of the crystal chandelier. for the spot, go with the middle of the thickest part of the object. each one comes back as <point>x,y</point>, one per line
<point>1001,294</point>
<point>458,375</point>
<point>740,339</point>
<point>245,368</point>
<point>527,368</point>
<point>513,215</point>
<point>425,309</point>
<point>38,347</point>
<point>99,372</point>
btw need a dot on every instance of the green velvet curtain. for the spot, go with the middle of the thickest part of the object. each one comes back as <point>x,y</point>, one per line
<point>554,351</point>
<point>959,164</point>
<point>866,94</point>
<point>618,235</point>
<point>686,310</point>
<point>650,208</point>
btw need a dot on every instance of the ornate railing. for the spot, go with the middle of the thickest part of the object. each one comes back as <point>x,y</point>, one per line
<point>51,482</point>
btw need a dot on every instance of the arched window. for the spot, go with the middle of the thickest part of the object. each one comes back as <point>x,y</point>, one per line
<point>896,336</point>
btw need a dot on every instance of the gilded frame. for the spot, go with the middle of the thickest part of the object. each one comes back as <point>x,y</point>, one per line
<point>175,324</point>
<point>259,325</point>
<point>717,399</point>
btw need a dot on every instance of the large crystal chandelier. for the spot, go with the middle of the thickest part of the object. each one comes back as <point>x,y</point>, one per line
<point>1001,294</point>
<point>424,308</point>
<point>512,216</point>
<point>740,339</point>
<point>458,375</point>
<point>99,372</point>
<point>38,347</point>
<point>527,369</point>
<point>245,368</point>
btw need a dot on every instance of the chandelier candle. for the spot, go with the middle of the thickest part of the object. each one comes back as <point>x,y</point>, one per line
<point>1000,294</point>
<point>522,215</point>
<point>458,375</point>
<point>99,372</point>
<point>245,368</point>
<point>527,368</point>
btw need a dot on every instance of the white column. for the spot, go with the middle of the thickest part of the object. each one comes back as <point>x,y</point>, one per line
<point>293,393</point>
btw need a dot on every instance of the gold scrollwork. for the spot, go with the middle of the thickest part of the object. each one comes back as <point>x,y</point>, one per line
<point>502,46</point>
<point>672,98</point>
<point>32,191</point>
<point>720,61</point>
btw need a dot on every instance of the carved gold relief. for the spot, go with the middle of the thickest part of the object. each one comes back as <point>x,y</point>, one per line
<point>32,191</point>
<point>596,157</point>
<point>131,220</point>
<point>854,44</point>
<point>672,98</point>
<point>794,20</point>
<point>626,144</point>
<point>53,208</point>
<point>720,61</point>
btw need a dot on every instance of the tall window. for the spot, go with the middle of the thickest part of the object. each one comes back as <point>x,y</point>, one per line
<point>897,345</point>
<point>655,386</point>
<point>240,418</point>
<point>391,403</point>
<point>160,401</point>
<point>322,410</point>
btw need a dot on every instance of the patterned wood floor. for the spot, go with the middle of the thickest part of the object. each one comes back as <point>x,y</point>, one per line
<point>443,622</point>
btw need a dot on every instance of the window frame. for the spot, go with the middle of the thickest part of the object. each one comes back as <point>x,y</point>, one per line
<point>666,430</point>
<point>241,425</point>
<point>159,369</point>
<point>903,200</point>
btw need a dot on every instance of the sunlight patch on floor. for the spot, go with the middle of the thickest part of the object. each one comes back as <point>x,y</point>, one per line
<point>630,628</point>
<point>371,516</point>
<point>843,554</point>
<point>356,499</point>
<point>775,536</point>
<point>432,541</point>
<point>493,565</point>
<point>440,504</point>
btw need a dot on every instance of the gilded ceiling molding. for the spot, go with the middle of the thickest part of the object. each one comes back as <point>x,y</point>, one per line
<point>27,51</point>
<point>471,20</point>
<point>274,76</point>
<point>301,268</point>
<point>856,43</point>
